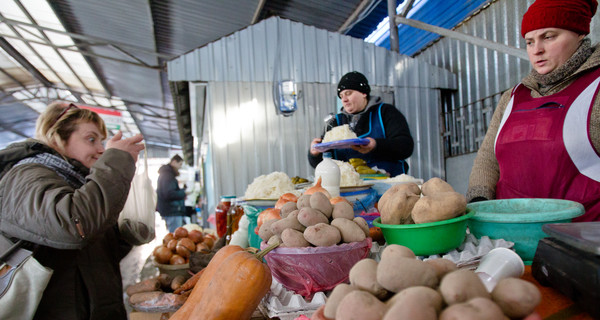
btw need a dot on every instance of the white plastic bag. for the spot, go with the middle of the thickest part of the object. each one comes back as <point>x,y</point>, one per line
<point>136,221</point>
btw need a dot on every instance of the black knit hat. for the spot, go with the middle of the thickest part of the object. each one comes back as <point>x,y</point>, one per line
<point>355,81</point>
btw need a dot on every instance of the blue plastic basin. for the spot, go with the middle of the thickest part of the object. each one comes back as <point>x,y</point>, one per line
<point>520,220</point>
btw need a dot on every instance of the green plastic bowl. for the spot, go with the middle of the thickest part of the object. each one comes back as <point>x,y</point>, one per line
<point>520,220</point>
<point>425,239</point>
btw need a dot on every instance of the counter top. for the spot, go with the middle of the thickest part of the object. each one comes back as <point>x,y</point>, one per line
<point>554,304</point>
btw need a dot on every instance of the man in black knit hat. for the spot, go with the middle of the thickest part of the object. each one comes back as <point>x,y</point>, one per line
<point>390,141</point>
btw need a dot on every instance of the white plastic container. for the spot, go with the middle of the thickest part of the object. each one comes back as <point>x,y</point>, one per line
<point>498,264</point>
<point>329,172</point>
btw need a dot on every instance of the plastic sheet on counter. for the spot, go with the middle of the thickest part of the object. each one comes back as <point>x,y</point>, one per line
<point>309,270</point>
<point>286,305</point>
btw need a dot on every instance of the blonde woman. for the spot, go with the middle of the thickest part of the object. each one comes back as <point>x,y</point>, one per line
<point>62,193</point>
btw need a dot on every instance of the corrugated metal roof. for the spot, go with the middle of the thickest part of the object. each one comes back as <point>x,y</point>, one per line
<point>441,13</point>
<point>127,44</point>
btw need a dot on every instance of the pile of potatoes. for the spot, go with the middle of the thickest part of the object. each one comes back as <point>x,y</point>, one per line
<point>314,221</point>
<point>406,203</point>
<point>403,287</point>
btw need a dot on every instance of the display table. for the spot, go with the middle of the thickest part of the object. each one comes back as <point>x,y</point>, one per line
<point>554,304</point>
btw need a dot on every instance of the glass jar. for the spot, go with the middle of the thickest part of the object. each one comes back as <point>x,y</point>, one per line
<point>221,215</point>
<point>234,214</point>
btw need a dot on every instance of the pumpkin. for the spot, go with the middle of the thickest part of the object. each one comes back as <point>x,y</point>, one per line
<point>187,308</point>
<point>237,288</point>
<point>318,188</point>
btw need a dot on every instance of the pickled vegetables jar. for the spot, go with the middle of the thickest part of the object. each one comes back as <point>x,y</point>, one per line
<point>221,215</point>
<point>234,214</point>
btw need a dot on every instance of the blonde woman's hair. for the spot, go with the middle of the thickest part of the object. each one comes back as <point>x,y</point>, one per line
<point>55,125</point>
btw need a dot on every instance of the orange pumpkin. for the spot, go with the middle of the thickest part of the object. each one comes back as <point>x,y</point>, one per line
<point>237,288</point>
<point>186,310</point>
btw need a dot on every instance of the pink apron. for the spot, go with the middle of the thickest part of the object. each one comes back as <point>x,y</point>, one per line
<point>544,149</point>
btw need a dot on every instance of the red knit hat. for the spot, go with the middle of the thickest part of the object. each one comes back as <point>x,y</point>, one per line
<point>574,15</point>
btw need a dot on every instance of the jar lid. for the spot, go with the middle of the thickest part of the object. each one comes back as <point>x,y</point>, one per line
<point>227,198</point>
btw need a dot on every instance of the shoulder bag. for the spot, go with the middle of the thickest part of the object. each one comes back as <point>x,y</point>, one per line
<point>22,283</point>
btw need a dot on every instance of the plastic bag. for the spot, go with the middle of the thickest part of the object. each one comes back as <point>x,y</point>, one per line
<point>312,269</point>
<point>136,221</point>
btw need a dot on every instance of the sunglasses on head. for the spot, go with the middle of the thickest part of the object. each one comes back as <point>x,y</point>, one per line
<point>71,105</point>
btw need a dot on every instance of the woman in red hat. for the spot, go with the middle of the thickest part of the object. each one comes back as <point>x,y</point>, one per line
<point>544,138</point>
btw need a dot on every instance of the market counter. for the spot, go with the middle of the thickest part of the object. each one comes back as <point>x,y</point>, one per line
<point>554,304</point>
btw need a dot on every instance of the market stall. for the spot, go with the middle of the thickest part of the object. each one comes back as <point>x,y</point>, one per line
<point>321,256</point>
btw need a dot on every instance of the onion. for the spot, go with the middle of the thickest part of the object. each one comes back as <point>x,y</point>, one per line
<point>181,232</point>
<point>268,214</point>
<point>177,259</point>
<point>196,236</point>
<point>285,198</point>
<point>317,188</point>
<point>162,254</point>
<point>335,200</point>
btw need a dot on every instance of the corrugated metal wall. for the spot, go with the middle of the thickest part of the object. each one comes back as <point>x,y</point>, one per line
<point>482,74</point>
<point>246,136</point>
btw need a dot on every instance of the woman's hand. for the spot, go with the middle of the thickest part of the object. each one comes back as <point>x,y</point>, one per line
<point>367,148</point>
<point>312,150</point>
<point>132,145</point>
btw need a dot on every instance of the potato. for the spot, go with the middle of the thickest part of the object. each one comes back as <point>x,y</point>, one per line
<point>516,297</point>
<point>462,285</point>
<point>309,217</point>
<point>322,235</point>
<point>435,185</point>
<point>342,210</point>
<point>363,275</point>
<point>414,303</point>
<point>287,208</point>
<point>475,309</point>
<point>291,221</point>
<point>362,223</point>
<point>442,266</point>
<point>319,201</point>
<point>397,202</point>
<point>265,231</point>
<point>398,273</point>
<point>338,293</point>
<point>394,251</point>
<point>303,201</point>
<point>410,312</point>
<point>274,239</point>
<point>439,206</point>
<point>293,238</point>
<point>359,304</point>
<point>349,230</point>
<point>418,295</point>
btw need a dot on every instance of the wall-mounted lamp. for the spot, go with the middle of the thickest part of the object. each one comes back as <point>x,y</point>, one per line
<point>285,97</point>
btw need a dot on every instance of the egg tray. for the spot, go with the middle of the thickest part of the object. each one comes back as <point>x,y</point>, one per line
<point>286,305</point>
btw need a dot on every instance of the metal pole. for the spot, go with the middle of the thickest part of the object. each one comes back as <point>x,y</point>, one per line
<point>519,53</point>
<point>394,42</point>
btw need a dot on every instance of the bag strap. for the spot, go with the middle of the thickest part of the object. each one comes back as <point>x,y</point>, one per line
<point>9,252</point>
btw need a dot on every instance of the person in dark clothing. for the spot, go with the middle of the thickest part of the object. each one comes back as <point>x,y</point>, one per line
<point>390,141</point>
<point>171,198</point>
